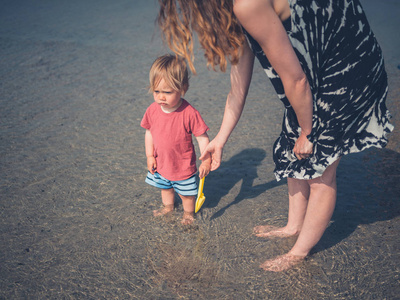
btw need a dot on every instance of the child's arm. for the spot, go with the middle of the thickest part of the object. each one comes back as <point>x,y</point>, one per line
<point>151,161</point>
<point>205,166</point>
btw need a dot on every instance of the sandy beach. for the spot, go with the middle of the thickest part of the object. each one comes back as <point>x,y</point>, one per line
<point>76,216</point>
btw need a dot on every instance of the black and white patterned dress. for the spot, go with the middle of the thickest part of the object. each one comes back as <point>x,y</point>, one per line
<point>344,66</point>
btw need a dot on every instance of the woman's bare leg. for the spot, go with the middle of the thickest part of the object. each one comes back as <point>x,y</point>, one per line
<point>168,200</point>
<point>320,208</point>
<point>299,191</point>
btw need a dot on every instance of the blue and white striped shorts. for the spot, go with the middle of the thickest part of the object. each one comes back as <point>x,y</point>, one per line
<point>187,187</point>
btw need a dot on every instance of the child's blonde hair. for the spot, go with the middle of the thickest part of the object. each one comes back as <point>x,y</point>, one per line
<point>173,70</point>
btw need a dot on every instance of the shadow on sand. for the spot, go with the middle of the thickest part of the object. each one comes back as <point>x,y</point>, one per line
<point>368,189</point>
<point>241,167</point>
<point>368,192</point>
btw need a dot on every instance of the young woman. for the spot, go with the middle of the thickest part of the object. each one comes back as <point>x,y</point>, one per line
<point>327,68</point>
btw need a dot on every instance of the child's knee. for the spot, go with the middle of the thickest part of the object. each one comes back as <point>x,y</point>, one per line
<point>187,198</point>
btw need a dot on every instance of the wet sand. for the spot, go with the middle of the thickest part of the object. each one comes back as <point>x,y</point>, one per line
<point>76,216</point>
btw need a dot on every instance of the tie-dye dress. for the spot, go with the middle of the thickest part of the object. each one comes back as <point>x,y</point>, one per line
<point>344,66</point>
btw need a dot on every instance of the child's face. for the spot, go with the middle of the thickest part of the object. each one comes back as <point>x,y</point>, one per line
<point>166,97</point>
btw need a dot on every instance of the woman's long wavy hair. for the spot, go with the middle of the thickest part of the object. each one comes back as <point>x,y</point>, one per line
<point>219,32</point>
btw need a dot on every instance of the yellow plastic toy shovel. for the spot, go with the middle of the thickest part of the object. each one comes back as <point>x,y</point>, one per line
<point>200,196</point>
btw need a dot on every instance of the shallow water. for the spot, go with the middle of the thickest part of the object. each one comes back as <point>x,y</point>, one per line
<point>75,218</point>
<point>356,259</point>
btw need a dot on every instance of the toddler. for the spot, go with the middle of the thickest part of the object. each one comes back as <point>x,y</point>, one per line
<point>170,122</point>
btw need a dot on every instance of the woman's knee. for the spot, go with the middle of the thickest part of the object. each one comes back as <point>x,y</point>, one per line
<point>328,177</point>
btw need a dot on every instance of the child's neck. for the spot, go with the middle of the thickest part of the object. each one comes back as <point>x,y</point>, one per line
<point>172,109</point>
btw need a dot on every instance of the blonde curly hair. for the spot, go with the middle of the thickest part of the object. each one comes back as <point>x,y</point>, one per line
<point>217,28</point>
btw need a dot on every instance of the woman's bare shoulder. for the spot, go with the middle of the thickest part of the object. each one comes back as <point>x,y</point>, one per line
<point>280,7</point>
<point>246,7</point>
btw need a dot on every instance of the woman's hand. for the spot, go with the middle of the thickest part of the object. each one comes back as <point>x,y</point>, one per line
<point>303,148</point>
<point>215,150</point>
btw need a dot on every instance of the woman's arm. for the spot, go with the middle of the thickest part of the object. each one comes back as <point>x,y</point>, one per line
<point>261,21</point>
<point>151,161</point>
<point>240,81</point>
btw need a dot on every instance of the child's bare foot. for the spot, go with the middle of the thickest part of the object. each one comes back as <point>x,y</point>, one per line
<point>163,210</point>
<point>188,218</point>
<point>282,262</point>
<point>273,231</point>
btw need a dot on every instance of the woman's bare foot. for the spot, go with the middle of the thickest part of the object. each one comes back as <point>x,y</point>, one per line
<point>188,218</point>
<point>273,231</point>
<point>282,262</point>
<point>163,210</point>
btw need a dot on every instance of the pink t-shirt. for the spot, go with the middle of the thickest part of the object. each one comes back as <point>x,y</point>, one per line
<point>172,139</point>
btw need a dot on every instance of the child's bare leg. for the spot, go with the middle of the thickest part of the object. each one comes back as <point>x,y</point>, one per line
<point>168,199</point>
<point>188,203</point>
<point>299,191</point>
<point>320,208</point>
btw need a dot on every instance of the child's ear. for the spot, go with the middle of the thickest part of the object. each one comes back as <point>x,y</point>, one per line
<point>184,89</point>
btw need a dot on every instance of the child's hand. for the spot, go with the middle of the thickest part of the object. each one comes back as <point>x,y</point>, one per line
<point>151,164</point>
<point>204,168</point>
